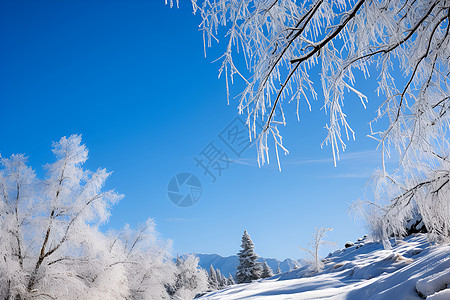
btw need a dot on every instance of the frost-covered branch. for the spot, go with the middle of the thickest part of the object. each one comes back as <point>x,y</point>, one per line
<point>404,44</point>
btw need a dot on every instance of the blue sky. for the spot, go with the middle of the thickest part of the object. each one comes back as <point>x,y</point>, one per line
<point>131,77</point>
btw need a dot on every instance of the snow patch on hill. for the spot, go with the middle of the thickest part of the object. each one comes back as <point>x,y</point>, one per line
<point>412,269</point>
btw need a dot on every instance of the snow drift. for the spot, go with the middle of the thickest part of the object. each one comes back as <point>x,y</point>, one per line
<point>412,269</point>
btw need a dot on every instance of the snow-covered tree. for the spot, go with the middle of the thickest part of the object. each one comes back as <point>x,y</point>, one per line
<point>51,246</point>
<point>224,281</point>
<point>230,280</point>
<point>146,260</point>
<point>216,280</point>
<point>212,279</point>
<point>285,42</point>
<point>266,270</point>
<point>314,246</point>
<point>49,229</point>
<point>249,268</point>
<point>190,279</point>
<point>221,283</point>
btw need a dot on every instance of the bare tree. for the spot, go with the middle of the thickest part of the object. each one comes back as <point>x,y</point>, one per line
<point>284,41</point>
<point>314,246</point>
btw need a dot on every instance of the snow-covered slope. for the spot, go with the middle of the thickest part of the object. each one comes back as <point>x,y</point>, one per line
<point>227,265</point>
<point>412,269</point>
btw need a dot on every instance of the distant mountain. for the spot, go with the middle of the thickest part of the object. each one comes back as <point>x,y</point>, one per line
<point>227,265</point>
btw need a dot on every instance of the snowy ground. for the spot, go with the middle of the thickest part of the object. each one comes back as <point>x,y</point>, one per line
<point>366,271</point>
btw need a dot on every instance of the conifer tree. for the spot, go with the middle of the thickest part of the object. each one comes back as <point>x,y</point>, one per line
<point>212,279</point>
<point>249,269</point>
<point>266,270</point>
<point>220,282</point>
<point>225,281</point>
<point>231,280</point>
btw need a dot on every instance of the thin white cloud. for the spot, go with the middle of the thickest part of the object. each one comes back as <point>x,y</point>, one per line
<point>366,155</point>
<point>245,161</point>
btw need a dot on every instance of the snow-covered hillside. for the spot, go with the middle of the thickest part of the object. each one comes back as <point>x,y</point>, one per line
<point>227,265</point>
<point>412,269</point>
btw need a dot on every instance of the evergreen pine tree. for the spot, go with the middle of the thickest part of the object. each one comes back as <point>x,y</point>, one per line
<point>220,282</point>
<point>231,280</point>
<point>249,269</point>
<point>178,261</point>
<point>212,279</point>
<point>266,271</point>
<point>224,281</point>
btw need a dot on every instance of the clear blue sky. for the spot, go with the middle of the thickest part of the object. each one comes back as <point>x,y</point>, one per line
<point>132,79</point>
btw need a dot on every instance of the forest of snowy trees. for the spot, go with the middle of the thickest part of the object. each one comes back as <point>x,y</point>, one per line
<point>248,270</point>
<point>52,245</point>
<point>217,281</point>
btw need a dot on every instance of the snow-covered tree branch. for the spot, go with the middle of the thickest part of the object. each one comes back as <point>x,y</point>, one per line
<point>405,44</point>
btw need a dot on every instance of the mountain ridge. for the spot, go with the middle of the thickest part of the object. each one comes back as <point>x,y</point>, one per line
<point>227,264</point>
